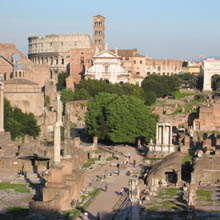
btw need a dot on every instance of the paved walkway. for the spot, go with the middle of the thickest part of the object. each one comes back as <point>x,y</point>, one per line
<point>105,201</point>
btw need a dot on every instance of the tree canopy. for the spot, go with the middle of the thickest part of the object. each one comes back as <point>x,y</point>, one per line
<point>90,88</point>
<point>160,85</point>
<point>61,84</point>
<point>119,119</point>
<point>19,123</point>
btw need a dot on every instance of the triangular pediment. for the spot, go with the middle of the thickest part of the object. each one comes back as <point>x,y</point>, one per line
<point>106,53</point>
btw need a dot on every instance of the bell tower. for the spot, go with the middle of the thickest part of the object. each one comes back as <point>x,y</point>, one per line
<point>99,32</point>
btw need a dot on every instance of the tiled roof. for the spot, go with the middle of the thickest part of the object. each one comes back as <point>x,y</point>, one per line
<point>20,81</point>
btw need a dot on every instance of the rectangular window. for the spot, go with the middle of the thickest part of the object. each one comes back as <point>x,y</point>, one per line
<point>62,61</point>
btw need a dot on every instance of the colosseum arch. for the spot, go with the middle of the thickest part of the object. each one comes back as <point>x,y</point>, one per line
<point>211,67</point>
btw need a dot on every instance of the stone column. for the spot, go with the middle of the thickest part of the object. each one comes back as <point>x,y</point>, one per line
<point>57,132</point>
<point>171,135</point>
<point>134,192</point>
<point>59,110</point>
<point>2,104</point>
<point>157,134</point>
<point>160,137</point>
<point>57,143</point>
<point>67,149</point>
<point>166,135</point>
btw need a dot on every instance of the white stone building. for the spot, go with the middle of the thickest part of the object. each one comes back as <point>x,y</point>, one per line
<point>107,66</point>
<point>210,67</point>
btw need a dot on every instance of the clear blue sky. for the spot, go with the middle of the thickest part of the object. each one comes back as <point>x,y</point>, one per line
<point>159,28</point>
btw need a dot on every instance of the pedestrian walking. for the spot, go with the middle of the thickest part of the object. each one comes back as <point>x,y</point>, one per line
<point>118,167</point>
<point>134,163</point>
<point>106,187</point>
<point>129,156</point>
<point>86,215</point>
<point>98,217</point>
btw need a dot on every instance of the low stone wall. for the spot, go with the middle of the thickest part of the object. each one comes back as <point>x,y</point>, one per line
<point>10,163</point>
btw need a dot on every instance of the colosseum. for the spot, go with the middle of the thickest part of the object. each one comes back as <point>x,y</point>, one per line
<point>55,50</point>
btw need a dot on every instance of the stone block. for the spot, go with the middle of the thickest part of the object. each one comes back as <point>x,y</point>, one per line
<point>67,166</point>
<point>56,175</point>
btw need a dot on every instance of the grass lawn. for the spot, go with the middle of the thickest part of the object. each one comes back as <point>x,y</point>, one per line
<point>89,162</point>
<point>187,158</point>
<point>170,192</point>
<point>23,188</point>
<point>75,213</point>
<point>204,195</point>
<point>179,95</point>
<point>110,158</point>
<point>99,151</point>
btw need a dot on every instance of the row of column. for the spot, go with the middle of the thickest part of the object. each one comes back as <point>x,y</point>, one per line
<point>48,60</point>
<point>164,134</point>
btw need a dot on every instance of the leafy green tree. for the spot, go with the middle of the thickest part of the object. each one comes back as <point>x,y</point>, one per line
<point>150,98</point>
<point>19,123</point>
<point>81,94</point>
<point>67,95</point>
<point>215,82</point>
<point>61,81</point>
<point>160,85</point>
<point>128,118</point>
<point>119,119</point>
<point>93,87</point>
<point>96,114</point>
<point>186,80</point>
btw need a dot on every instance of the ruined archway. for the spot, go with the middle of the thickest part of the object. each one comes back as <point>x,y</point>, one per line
<point>211,67</point>
<point>215,82</point>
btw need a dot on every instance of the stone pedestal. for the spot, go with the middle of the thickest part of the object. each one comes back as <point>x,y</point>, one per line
<point>67,166</point>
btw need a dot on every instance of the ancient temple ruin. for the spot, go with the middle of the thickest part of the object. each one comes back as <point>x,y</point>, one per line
<point>164,145</point>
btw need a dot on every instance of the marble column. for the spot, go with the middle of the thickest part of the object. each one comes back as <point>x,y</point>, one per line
<point>2,104</point>
<point>157,134</point>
